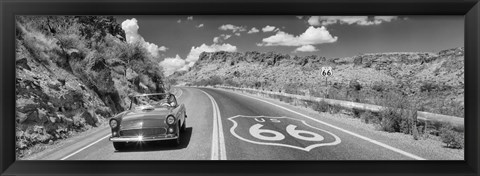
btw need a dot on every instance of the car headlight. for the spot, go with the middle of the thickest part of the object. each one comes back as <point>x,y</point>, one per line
<point>170,120</point>
<point>113,123</point>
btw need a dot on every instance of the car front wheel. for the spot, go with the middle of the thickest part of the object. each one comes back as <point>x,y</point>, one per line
<point>184,126</point>
<point>178,141</point>
<point>119,145</point>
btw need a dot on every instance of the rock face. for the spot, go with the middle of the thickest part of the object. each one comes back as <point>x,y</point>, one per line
<point>72,73</point>
<point>432,81</point>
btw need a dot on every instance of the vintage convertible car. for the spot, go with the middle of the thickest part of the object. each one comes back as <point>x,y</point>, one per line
<point>151,117</point>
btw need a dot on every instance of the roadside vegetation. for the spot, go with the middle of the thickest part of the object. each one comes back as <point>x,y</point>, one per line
<point>432,81</point>
<point>73,73</point>
<point>399,116</point>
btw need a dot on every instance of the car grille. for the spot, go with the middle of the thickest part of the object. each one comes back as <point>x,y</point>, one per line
<point>146,132</point>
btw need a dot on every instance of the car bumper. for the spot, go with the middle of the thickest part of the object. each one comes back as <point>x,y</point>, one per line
<point>143,139</point>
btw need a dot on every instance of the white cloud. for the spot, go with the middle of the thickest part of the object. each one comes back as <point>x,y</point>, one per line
<point>163,48</point>
<point>226,36</point>
<point>359,20</point>
<point>306,48</point>
<point>179,21</point>
<point>190,18</point>
<point>385,18</point>
<point>312,36</point>
<point>232,27</point>
<point>170,65</point>
<point>221,38</point>
<point>269,28</point>
<point>200,25</point>
<point>237,34</point>
<point>130,26</point>
<point>299,17</point>
<point>196,51</point>
<point>216,39</point>
<point>253,30</point>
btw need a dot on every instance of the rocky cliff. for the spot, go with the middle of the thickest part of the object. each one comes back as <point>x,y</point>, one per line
<point>72,74</point>
<point>432,81</point>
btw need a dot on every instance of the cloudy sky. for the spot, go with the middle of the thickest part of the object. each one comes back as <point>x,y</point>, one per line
<point>176,41</point>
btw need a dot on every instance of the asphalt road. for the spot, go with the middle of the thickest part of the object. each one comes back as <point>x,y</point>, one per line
<point>224,125</point>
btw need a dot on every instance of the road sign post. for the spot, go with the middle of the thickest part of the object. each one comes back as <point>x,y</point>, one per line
<point>326,72</point>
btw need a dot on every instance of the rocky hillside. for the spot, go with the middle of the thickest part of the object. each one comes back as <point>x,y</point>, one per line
<point>72,74</point>
<point>430,81</point>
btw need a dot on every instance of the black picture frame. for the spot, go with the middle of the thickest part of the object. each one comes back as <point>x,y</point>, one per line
<point>469,8</point>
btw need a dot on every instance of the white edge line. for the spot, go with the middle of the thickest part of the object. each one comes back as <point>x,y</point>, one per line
<point>181,92</point>
<point>341,129</point>
<point>89,145</point>
<point>223,153</point>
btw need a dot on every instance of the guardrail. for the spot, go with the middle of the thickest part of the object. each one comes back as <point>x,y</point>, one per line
<point>457,122</point>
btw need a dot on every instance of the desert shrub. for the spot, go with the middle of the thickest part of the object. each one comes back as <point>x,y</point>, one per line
<point>397,111</point>
<point>172,81</point>
<point>390,120</point>
<point>378,86</point>
<point>285,99</point>
<point>407,125</point>
<point>71,41</point>
<point>370,117</point>
<point>333,93</point>
<point>215,80</point>
<point>356,112</point>
<point>429,87</point>
<point>230,82</point>
<point>355,85</point>
<point>453,108</point>
<point>452,138</point>
<point>333,109</point>
<point>315,93</point>
<point>320,106</point>
<point>291,88</point>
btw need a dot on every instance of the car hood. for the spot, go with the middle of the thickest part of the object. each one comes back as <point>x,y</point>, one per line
<point>145,118</point>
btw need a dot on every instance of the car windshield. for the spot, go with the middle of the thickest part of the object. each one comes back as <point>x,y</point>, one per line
<point>149,101</point>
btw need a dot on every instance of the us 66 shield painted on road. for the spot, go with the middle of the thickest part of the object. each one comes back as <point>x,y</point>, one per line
<point>281,131</point>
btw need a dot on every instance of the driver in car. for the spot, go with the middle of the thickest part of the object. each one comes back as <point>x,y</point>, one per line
<point>171,100</point>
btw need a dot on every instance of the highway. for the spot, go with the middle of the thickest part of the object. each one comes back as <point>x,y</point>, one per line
<point>224,125</point>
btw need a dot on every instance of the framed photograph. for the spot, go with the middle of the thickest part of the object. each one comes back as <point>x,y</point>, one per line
<point>239,87</point>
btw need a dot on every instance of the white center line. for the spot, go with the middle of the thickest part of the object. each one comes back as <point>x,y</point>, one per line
<point>341,129</point>
<point>218,140</point>
<point>223,153</point>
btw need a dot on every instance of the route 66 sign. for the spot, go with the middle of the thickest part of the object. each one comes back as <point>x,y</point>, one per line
<point>281,131</point>
<point>327,71</point>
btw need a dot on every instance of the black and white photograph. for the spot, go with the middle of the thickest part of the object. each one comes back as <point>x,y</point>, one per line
<point>239,87</point>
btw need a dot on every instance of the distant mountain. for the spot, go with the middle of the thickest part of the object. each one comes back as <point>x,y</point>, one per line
<point>431,81</point>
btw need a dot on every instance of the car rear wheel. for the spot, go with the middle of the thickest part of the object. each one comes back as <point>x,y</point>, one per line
<point>119,145</point>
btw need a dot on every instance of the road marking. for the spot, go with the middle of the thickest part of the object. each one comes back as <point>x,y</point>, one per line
<point>223,152</point>
<point>181,92</point>
<point>218,140</point>
<point>307,149</point>
<point>89,145</point>
<point>341,129</point>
